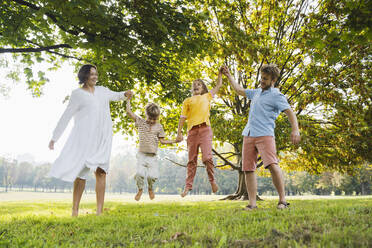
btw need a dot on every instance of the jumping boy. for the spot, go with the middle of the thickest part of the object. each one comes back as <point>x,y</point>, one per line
<point>150,132</point>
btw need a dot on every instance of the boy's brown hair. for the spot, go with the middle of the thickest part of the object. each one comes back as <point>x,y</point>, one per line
<point>152,110</point>
<point>205,89</point>
<point>272,70</point>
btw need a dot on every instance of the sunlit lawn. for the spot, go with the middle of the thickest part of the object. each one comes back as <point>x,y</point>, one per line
<point>172,222</point>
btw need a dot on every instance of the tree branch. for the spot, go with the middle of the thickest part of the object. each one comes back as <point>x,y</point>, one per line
<point>182,165</point>
<point>235,167</point>
<point>33,49</point>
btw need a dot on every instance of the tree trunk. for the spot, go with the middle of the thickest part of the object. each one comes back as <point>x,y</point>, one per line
<point>241,191</point>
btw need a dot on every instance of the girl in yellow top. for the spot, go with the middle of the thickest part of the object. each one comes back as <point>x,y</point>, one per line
<point>196,111</point>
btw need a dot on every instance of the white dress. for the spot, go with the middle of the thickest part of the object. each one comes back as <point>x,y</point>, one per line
<point>89,143</point>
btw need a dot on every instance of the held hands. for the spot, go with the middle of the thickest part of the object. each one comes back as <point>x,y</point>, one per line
<point>128,94</point>
<point>164,141</point>
<point>176,141</point>
<point>51,145</point>
<point>179,138</point>
<point>224,70</point>
<point>295,137</point>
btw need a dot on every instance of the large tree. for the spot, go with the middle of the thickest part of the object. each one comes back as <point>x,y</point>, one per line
<point>158,47</point>
<point>323,51</point>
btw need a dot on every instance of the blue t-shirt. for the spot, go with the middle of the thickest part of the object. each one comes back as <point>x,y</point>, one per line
<point>265,108</point>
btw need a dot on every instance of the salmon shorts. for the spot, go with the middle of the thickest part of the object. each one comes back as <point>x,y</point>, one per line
<point>252,146</point>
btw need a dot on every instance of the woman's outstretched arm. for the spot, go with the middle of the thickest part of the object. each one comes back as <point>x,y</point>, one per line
<point>132,115</point>
<point>71,109</point>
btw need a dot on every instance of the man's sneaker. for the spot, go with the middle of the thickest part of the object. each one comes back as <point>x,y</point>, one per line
<point>282,205</point>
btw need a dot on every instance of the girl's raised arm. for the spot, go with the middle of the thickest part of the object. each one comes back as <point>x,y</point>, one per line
<point>218,85</point>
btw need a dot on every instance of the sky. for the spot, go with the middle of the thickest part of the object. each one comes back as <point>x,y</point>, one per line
<point>27,122</point>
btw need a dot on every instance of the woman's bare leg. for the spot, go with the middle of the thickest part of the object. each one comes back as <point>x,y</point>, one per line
<point>79,186</point>
<point>100,189</point>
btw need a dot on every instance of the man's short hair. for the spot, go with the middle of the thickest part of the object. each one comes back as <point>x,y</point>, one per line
<point>272,70</point>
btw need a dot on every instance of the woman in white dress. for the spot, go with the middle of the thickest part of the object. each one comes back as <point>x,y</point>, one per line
<point>88,147</point>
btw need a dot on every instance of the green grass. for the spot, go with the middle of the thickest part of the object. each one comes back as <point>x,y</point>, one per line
<point>308,223</point>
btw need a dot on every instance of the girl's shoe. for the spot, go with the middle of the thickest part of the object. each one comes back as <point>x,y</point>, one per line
<point>214,187</point>
<point>185,191</point>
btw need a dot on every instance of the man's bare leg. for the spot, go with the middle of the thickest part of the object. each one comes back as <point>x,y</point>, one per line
<point>278,180</point>
<point>251,182</point>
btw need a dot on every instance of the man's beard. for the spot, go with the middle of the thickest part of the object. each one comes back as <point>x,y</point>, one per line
<point>266,87</point>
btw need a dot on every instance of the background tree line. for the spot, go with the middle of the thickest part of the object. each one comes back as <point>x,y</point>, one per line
<point>25,176</point>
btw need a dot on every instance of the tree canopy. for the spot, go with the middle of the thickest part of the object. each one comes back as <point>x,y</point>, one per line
<point>130,41</point>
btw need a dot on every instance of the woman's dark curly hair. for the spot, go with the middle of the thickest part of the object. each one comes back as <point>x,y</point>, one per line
<point>84,73</point>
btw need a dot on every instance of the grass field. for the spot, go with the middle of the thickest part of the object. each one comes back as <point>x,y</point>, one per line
<point>197,221</point>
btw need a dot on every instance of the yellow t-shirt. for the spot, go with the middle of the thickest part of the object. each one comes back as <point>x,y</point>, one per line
<point>196,109</point>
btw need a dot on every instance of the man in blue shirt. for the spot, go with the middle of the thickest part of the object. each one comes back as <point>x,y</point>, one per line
<point>267,103</point>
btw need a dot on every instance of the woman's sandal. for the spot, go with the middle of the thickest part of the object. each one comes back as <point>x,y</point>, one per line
<point>250,208</point>
<point>282,205</point>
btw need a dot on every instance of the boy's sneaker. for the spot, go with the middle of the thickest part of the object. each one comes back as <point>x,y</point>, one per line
<point>138,195</point>
<point>151,194</point>
<point>282,205</point>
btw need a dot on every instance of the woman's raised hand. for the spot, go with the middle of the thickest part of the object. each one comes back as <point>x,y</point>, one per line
<point>128,94</point>
<point>51,145</point>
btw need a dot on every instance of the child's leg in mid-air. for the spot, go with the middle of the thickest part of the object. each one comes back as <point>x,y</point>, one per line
<point>193,147</point>
<point>150,182</point>
<point>140,183</point>
<point>206,136</point>
<point>140,175</point>
<point>153,175</point>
